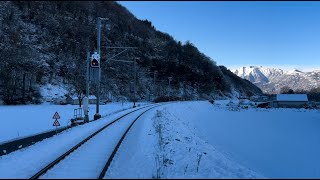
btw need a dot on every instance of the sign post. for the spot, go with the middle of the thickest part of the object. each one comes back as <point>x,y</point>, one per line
<point>56,123</point>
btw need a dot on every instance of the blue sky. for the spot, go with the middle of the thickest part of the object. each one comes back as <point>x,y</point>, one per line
<point>234,34</point>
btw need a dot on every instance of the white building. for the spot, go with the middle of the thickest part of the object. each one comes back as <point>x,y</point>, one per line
<point>92,100</point>
<point>290,101</point>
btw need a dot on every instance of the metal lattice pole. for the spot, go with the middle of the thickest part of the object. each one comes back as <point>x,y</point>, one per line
<point>97,115</point>
<point>86,116</point>
<point>88,74</point>
<point>169,90</point>
<point>135,81</point>
<point>154,84</point>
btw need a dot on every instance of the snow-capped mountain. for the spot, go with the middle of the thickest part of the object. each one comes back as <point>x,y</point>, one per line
<point>271,80</point>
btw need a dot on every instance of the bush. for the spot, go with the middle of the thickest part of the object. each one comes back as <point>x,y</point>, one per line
<point>36,98</point>
<point>167,98</point>
<point>263,105</point>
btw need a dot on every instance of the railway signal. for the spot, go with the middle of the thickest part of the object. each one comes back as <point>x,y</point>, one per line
<point>95,60</point>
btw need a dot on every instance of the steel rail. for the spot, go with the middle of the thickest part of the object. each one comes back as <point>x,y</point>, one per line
<point>56,161</point>
<point>105,168</point>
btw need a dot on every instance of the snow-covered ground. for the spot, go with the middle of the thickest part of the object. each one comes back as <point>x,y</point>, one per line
<point>277,143</point>
<point>201,140</point>
<point>163,145</point>
<point>198,140</point>
<point>93,153</point>
<point>24,120</point>
<point>27,161</point>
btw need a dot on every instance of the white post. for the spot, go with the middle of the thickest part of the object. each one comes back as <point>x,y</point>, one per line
<point>86,109</point>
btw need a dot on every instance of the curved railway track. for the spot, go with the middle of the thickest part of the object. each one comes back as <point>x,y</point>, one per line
<point>102,130</point>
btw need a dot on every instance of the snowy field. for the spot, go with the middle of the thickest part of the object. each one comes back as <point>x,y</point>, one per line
<point>24,120</point>
<point>196,140</point>
<point>201,140</point>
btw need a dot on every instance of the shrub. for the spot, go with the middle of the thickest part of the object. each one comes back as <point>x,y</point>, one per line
<point>167,98</point>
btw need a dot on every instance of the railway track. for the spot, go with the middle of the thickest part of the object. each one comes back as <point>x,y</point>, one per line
<point>91,157</point>
<point>16,144</point>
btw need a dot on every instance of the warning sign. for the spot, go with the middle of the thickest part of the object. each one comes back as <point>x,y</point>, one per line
<point>56,116</point>
<point>56,123</point>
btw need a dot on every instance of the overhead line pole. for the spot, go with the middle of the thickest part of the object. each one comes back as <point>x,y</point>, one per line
<point>97,115</point>
<point>86,114</point>
<point>135,69</point>
<point>135,77</point>
<point>154,80</point>
<point>169,91</point>
<point>154,84</point>
<point>135,81</point>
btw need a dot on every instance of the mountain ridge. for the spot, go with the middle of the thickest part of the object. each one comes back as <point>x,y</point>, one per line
<point>271,80</point>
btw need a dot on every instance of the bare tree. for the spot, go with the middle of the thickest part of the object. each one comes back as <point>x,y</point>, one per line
<point>286,90</point>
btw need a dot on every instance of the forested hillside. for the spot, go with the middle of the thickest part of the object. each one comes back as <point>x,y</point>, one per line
<point>46,43</point>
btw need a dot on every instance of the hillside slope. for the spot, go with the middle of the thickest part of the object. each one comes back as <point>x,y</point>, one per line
<point>44,45</point>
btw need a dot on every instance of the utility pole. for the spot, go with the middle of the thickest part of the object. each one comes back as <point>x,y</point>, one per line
<point>97,115</point>
<point>162,88</point>
<point>85,103</point>
<point>169,91</point>
<point>135,77</point>
<point>87,77</point>
<point>135,74</point>
<point>153,89</point>
<point>135,82</point>
<point>154,83</point>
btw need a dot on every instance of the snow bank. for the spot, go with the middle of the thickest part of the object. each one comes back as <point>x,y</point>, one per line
<point>25,120</point>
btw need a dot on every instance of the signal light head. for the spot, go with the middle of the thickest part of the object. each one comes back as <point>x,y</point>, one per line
<point>95,60</point>
<point>95,63</point>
